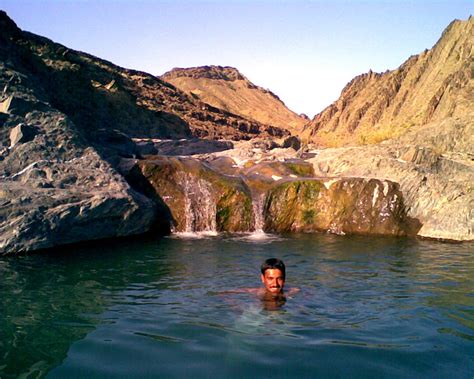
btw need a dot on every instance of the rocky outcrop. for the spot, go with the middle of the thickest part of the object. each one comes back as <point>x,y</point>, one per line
<point>436,182</point>
<point>57,201</point>
<point>341,206</point>
<point>226,88</point>
<point>199,198</point>
<point>433,171</point>
<point>67,119</point>
<point>420,121</point>
<point>180,147</point>
<point>276,196</point>
<point>97,94</point>
<point>429,87</point>
<point>79,139</point>
<point>55,188</point>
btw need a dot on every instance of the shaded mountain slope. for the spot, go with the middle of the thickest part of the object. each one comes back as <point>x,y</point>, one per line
<point>427,88</point>
<point>98,94</point>
<point>226,88</point>
<point>67,119</point>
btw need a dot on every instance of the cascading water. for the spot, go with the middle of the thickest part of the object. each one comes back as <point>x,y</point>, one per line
<point>257,204</point>
<point>199,206</point>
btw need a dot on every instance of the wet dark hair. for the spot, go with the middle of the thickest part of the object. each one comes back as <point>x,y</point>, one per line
<point>273,263</point>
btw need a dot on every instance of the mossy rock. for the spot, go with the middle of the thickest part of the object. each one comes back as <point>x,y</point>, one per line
<point>300,168</point>
<point>234,212</point>
<point>347,206</point>
<point>290,205</point>
<point>199,198</point>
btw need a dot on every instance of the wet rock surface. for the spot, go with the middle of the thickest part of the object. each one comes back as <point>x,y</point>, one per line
<point>198,198</point>
<point>89,150</point>
<point>435,176</point>
<point>341,206</point>
<point>276,196</point>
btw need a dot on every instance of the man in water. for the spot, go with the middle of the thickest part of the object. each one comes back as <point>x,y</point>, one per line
<point>273,274</point>
<point>272,295</point>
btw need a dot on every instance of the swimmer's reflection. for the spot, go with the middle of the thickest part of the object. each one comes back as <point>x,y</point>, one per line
<point>272,302</point>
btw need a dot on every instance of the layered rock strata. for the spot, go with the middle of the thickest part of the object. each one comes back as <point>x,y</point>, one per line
<point>226,88</point>
<point>66,120</point>
<point>283,195</point>
<point>429,87</point>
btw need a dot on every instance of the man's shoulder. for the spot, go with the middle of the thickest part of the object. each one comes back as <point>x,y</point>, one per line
<point>292,291</point>
<point>243,290</point>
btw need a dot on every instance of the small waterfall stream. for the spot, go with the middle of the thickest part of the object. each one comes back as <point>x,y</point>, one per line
<point>257,204</point>
<point>199,206</point>
<point>200,209</point>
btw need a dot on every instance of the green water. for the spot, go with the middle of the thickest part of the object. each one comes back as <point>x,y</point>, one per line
<point>378,307</point>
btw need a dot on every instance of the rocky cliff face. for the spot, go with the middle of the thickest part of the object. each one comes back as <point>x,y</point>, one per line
<point>226,88</point>
<point>423,114</point>
<point>434,171</point>
<point>99,95</point>
<point>427,88</point>
<point>66,121</point>
<point>79,139</point>
<point>55,188</point>
<point>213,195</point>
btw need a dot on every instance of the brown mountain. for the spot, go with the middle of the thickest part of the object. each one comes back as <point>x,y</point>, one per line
<point>69,125</point>
<point>426,89</point>
<point>98,94</point>
<point>226,88</point>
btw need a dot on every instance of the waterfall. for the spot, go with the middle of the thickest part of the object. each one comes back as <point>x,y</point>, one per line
<point>199,206</point>
<point>257,204</point>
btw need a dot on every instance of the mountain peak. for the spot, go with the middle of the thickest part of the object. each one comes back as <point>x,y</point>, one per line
<point>226,73</point>
<point>226,88</point>
<point>7,25</point>
<point>428,87</point>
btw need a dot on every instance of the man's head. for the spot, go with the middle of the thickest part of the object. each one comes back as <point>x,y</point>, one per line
<point>273,275</point>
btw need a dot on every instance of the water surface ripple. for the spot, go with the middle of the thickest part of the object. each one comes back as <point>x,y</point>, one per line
<point>378,307</point>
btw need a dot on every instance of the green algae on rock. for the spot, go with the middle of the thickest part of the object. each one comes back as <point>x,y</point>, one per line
<point>342,206</point>
<point>199,199</point>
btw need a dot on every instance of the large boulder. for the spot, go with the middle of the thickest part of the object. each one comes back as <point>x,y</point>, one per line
<point>48,204</point>
<point>56,189</point>
<point>434,170</point>
<point>341,206</point>
<point>199,198</point>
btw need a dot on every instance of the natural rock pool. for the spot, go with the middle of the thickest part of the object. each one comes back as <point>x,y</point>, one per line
<point>368,307</point>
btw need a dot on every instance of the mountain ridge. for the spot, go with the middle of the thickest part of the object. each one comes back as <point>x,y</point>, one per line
<point>155,108</point>
<point>427,87</point>
<point>226,88</point>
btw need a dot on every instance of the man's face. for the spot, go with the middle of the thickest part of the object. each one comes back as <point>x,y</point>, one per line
<point>273,280</point>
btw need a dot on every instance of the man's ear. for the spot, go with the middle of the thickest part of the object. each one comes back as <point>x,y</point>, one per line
<point>263,278</point>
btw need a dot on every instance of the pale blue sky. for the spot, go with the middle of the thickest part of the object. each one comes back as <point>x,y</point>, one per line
<point>304,51</point>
